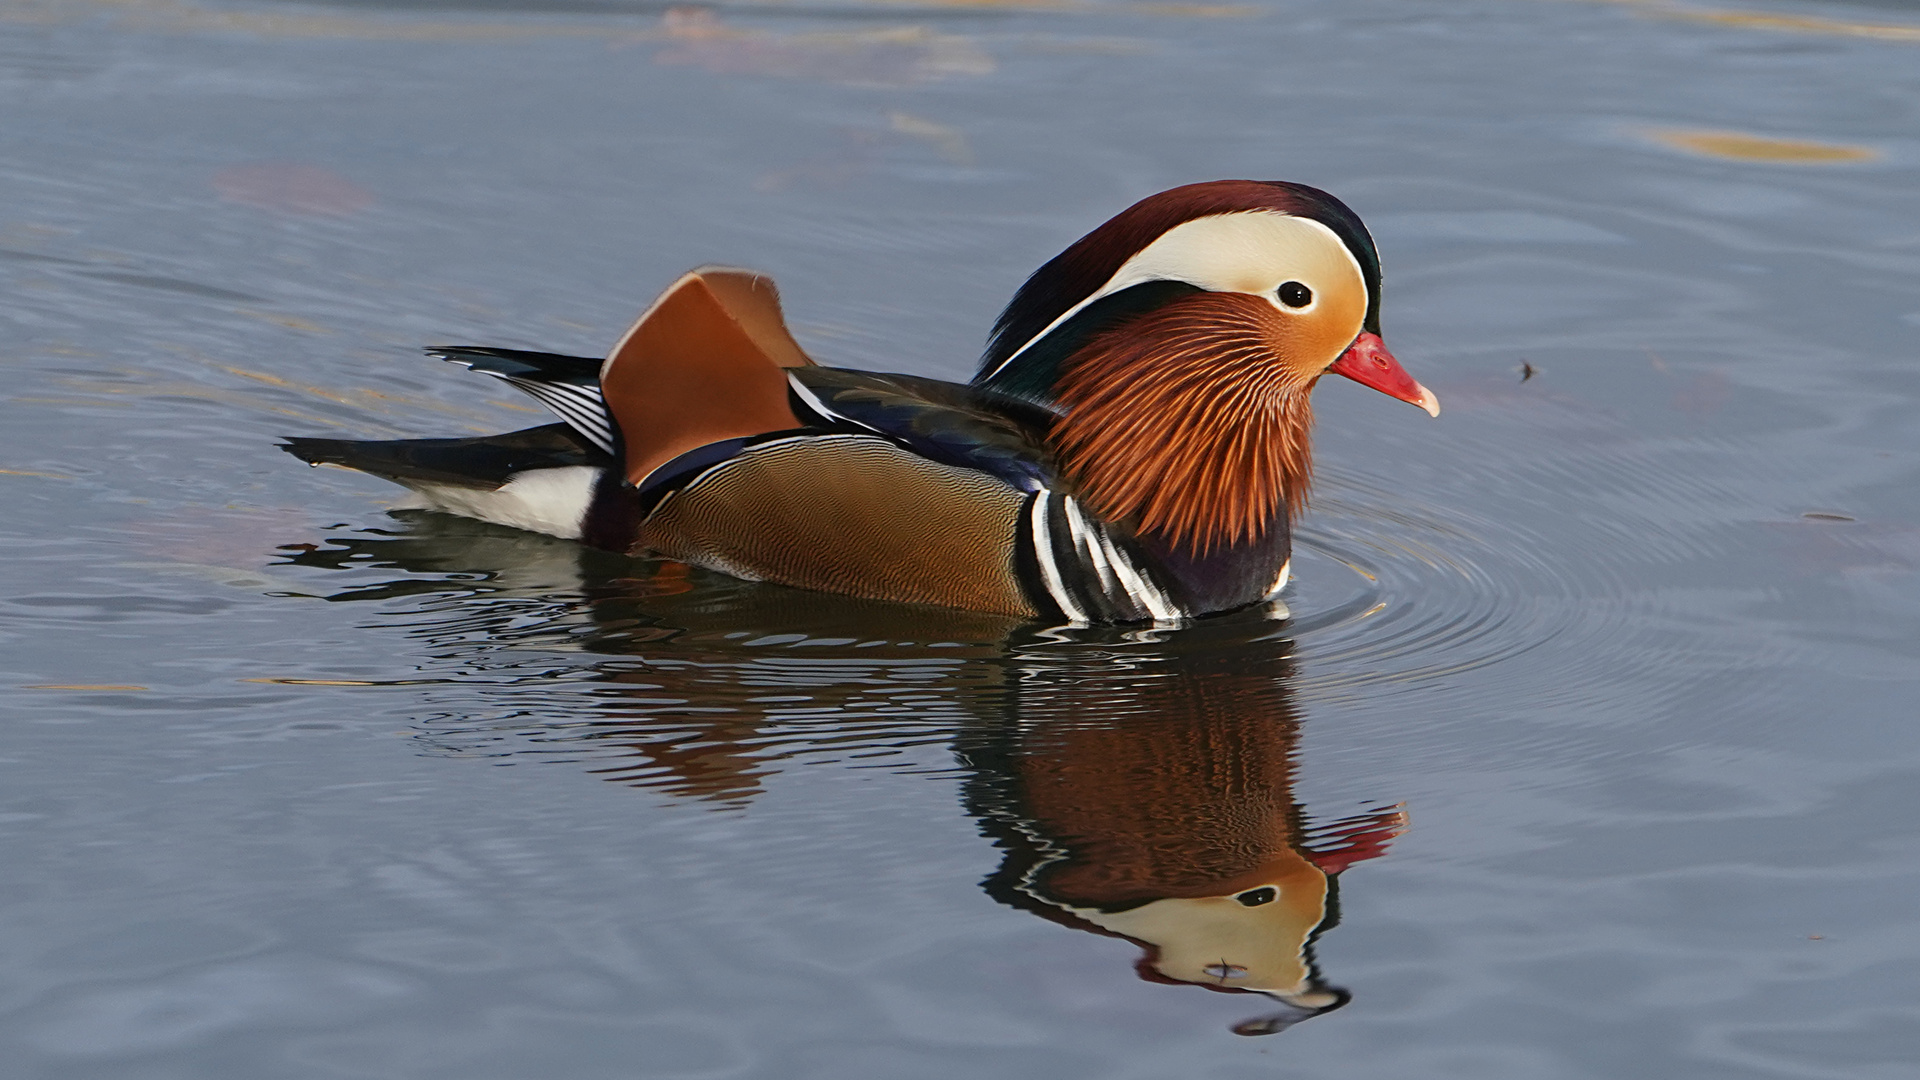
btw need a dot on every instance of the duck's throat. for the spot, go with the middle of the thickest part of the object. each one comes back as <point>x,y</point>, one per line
<point>1187,429</point>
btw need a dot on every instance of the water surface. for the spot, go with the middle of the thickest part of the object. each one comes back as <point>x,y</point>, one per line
<point>1584,753</point>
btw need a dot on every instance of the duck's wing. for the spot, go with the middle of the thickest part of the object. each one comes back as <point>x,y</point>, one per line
<point>567,385</point>
<point>746,458</point>
<point>846,512</point>
<point>947,422</point>
<point>705,364</point>
<point>703,360</point>
<point>711,363</point>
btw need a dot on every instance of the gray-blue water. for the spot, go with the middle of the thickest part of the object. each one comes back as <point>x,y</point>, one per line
<point>292,787</point>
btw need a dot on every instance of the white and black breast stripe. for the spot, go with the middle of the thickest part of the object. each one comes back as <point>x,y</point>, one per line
<point>1087,574</point>
<point>1047,556</point>
<point>1087,545</point>
<point>1132,581</point>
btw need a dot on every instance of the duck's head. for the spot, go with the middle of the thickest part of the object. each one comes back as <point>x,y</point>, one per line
<point>1179,341</point>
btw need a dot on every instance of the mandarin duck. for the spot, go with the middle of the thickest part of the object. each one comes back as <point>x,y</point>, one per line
<point>1131,449</point>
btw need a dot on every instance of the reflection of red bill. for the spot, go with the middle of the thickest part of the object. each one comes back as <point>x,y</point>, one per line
<point>1368,363</point>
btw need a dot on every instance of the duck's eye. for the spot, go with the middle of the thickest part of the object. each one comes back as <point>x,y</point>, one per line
<point>1264,894</point>
<point>1294,294</point>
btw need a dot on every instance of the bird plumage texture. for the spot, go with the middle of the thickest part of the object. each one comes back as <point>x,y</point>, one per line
<point>1132,448</point>
<point>1173,422</point>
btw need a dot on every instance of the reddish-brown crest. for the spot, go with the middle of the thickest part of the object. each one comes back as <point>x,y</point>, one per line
<point>1188,424</point>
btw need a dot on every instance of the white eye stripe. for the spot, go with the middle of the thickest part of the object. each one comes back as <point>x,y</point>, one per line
<point>1249,251</point>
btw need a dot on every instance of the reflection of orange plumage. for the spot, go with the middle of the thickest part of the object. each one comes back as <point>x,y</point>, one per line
<point>698,728</point>
<point>1172,822</point>
<point>702,757</point>
<point>1197,803</point>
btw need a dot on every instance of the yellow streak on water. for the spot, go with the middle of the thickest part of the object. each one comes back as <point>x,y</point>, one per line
<point>1198,11</point>
<point>1768,20</point>
<point>30,472</point>
<point>1741,146</point>
<point>950,142</point>
<point>288,384</point>
<point>1802,24</point>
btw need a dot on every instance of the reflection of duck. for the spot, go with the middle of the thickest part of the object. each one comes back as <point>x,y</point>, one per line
<point>678,698</point>
<point>1130,450</point>
<point>1140,784</point>
<point>1157,805</point>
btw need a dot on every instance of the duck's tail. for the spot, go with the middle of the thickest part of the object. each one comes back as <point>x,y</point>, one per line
<point>541,479</point>
<point>487,462</point>
<point>568,385</point>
